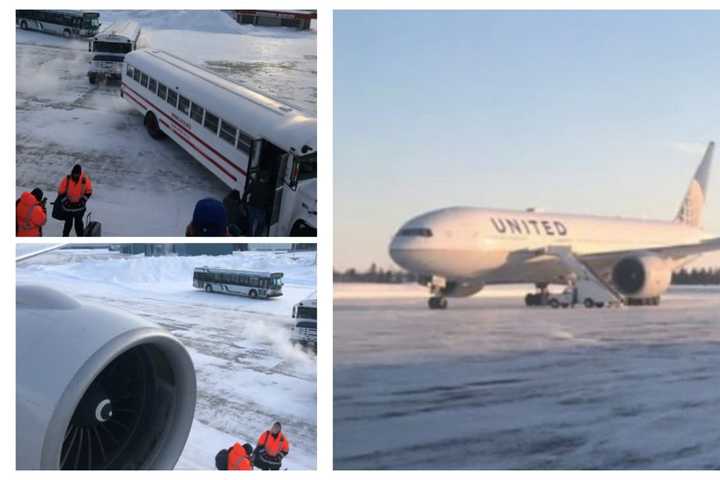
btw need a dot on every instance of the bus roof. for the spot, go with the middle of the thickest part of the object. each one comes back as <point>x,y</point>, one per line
<point>76,13</point>
<point>128,30</point>
<point>256,113</point>
<point>241,272</point>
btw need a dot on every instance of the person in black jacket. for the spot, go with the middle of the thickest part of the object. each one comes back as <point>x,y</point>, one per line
<point>261,197</point>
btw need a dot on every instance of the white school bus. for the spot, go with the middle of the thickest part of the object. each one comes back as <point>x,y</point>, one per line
<point>235,132</point>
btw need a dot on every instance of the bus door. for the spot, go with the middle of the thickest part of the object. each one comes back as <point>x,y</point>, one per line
<point>266,170</point>
<point>253,167</point>
<point>278,194</point>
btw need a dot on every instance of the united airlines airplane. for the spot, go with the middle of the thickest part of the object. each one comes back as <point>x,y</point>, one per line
<point>457,251</point>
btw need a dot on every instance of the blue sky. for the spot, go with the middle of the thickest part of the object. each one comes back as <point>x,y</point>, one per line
<point>583,112</point>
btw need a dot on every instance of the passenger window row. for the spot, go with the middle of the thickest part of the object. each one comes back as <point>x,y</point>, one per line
<point>225,130</point>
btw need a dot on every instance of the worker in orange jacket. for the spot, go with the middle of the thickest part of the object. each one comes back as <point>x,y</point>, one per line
<point>73,193</point>
<point>239,457</point>
<point>271,448</point>
<point>30,214</point>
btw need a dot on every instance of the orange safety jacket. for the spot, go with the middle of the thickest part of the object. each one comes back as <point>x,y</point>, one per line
<point>238,458</point>
<point>273,445</point>
<point>29,216</point>
<point>76,190</point>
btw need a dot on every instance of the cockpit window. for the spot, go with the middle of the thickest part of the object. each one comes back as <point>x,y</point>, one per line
<point>415,232</point>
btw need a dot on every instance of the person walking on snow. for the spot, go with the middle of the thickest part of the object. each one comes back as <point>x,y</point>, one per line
<point>271,448</point>
<point>73,192</point>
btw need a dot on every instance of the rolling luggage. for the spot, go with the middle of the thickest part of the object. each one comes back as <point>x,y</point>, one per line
<point>93,228</point>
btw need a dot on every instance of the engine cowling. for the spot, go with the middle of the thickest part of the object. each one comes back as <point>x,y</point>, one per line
<point>97,388</point>
<point>644,276</point>
<point>461,289</point>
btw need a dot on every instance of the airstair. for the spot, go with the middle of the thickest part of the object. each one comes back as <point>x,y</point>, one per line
<point>583,271</point>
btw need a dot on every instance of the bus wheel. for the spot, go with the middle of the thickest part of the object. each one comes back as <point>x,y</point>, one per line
<point>23,25</point>
<point>302,229</point>
<point>589,303</point>
<point>208,288</point>
<point>253,294</point>
<point>66,33</point>
<point>153,129</point>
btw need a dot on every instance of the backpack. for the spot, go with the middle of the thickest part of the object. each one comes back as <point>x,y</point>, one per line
<point>221,459</point>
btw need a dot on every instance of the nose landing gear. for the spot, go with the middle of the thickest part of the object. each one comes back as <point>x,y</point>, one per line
<point>437,303</point>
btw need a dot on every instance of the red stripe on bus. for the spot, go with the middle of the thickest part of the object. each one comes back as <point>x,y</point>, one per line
<point>198,150</point>
<point>132,97</point>
<point>186,130</point>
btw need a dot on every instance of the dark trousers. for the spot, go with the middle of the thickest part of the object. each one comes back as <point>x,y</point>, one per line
<point>257,219</point>
<point>77,219</point>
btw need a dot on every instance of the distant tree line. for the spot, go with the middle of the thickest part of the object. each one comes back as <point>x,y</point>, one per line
<point>696,276</point>
<point>374,274</point>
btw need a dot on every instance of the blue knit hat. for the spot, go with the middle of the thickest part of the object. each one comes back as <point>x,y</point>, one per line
<point>209,218</point>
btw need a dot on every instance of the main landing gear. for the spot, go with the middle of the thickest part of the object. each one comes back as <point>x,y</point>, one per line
<point>539,298</point>
<point>636,302</point>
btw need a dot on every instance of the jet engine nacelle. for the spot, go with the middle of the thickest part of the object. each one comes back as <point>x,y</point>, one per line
<point>97,388</point>
<point>461,289</point>
<point>643,276</point>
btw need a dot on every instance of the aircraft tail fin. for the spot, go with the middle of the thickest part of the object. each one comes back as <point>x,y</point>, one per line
<point>692,206</point>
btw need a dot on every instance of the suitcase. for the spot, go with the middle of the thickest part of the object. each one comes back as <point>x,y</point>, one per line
<point>93,228</point>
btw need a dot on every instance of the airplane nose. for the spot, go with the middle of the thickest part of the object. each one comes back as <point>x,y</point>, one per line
<point>399,251</point>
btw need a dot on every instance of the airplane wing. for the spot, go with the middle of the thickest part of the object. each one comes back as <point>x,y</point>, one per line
<point>674,252</point>
<point>601,264</point>
<point>30,251</point>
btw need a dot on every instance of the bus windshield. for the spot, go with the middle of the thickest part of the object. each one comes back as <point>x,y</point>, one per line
<point>307,312</point>
<point>275,283</point>
<point>308,166</point>
<point>112,47</point>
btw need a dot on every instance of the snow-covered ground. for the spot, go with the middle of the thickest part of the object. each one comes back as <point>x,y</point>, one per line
<point>142,187</point>
<point>490,383</point>
<point>248,373</point>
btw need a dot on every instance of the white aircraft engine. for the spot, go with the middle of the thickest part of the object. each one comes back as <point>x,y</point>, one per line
<point>642,277</point>
<point>462,289</point>
<point>97,388</point>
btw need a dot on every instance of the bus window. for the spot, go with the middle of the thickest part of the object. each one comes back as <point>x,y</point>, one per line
<point>211,122</point>
<point>183,105</point>
<point>162,91</point>
<point>136,75</point>
<point>143,79</point>
<point>227,132</point>
<point>244,141</point>
<point>152,84</point>
<point>172,97</point>
<point>130,70</point>
<point>196,113</point>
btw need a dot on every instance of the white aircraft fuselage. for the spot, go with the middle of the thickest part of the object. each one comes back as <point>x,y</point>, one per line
<point>483,245</point>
